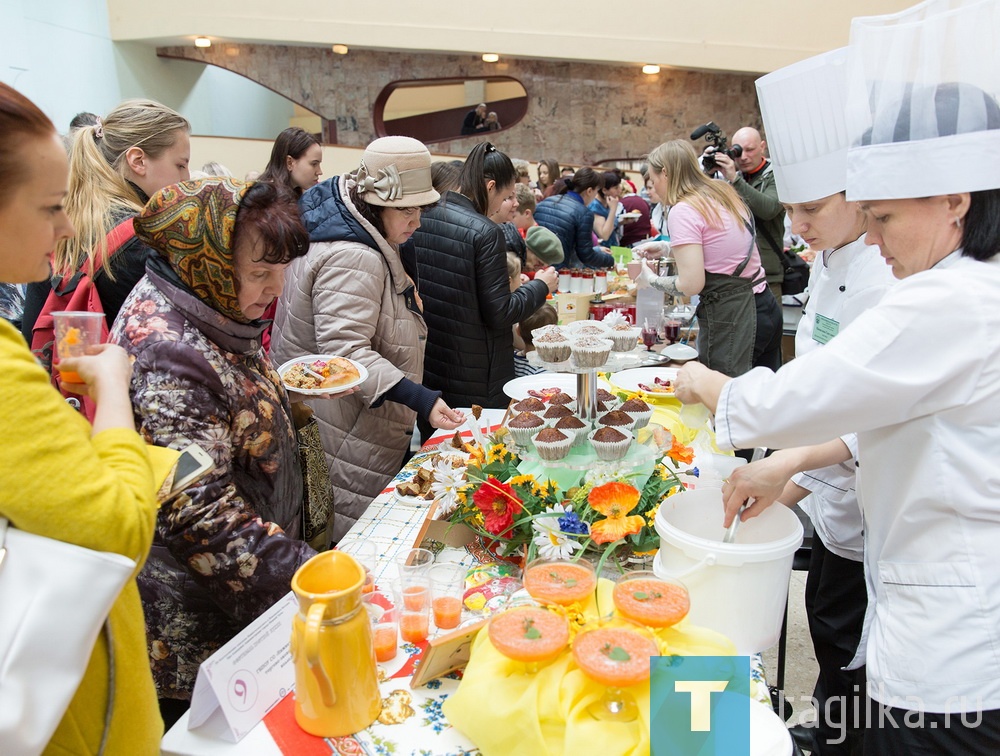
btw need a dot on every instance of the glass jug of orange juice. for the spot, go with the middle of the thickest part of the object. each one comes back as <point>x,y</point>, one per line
<point>336,681</point>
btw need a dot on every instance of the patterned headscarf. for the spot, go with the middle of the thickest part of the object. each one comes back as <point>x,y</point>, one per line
<point>191,226</point>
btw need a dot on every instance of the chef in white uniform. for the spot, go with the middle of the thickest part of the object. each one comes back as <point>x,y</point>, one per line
<point>848,278</point>
<point>917,377</point>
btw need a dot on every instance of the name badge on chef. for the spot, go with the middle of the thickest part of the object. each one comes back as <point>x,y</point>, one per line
<point>248,676</point>
<point>825,329</point>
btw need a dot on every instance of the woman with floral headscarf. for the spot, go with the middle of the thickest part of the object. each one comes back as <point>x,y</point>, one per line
<point>354,296</point>
<point>226,550</point>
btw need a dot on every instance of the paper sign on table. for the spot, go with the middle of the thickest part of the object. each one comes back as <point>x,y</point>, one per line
<point>248,676</point>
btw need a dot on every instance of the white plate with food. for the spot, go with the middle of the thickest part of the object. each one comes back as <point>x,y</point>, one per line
<point>314,374</point>
<point>654,382</point>
<point>633,215</point>
<point>540,385</point>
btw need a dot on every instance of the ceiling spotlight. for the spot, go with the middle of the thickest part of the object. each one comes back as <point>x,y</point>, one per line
<point>202,42</point>
<point>340,49</point>
<point>490,57</point>
<point>650,68</point>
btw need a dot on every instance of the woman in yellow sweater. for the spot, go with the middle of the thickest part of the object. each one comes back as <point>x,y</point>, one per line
<point>62,478</point>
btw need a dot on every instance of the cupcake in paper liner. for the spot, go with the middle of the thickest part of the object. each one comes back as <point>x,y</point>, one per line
<point>609,443</point>
<point>552,345</point>
<point>552,444</point>
<point>530,404</point>
<point>609,400</point>
<point>561,398</point>
<point>638,410</point>
<point>556,412</point>
<point>625,337</point>
<point>523,426</point>
<point>590,351</point>
<point>572,424</point>
<point>616,419</point>
<point>593,328</point>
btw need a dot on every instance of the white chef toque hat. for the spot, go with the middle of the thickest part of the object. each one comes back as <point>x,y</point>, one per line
<point>922,112</point>
<point>803,110</point>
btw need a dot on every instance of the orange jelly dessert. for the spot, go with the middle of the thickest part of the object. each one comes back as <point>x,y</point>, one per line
<point>560,582</point>
<point>384,638</point>
<point>529,634</point>
<point>652,602</point>
<point>415,597</point>
<point>447,612</point>
<point>614,656</point>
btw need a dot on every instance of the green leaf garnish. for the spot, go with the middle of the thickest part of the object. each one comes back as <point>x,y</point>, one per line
<point>571,582</point>
<point>640,595</point>
<point>532,633</point>
<point>615,653</point>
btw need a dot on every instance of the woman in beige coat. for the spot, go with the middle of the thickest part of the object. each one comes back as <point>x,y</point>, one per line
<point>353,295</point>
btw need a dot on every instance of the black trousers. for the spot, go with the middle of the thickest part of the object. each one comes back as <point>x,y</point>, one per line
<point>899,732</point>
<point>836,599</point>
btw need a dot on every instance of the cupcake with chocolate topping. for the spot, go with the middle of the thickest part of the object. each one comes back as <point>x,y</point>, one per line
<point>616,419</point>
<point>557,411</point>
<point>638,410</point>
<point>530,404</point>
<point>572,424</point>
<point>523,426</point>
<point>552,444</point>
<point>609,443</point>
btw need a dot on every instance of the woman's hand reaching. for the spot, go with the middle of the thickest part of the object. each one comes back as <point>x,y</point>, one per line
<point>444,417</point>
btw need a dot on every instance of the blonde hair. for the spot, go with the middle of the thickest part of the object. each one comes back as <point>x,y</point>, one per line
<point>98,171</point>
<point>513,266</point>
<point>686,182</point>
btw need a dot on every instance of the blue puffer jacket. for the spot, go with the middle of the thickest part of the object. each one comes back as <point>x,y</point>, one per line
<point>566,216</point>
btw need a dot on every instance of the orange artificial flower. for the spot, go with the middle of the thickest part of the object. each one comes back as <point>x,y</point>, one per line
<point>614,500</point>
<point>681,453</point>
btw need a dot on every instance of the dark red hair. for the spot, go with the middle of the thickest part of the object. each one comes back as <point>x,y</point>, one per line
<point>272,209</point>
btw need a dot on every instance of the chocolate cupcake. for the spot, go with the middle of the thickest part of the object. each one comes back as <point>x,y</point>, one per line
<point>638,410</point>
<point>523,426</point>
<point>576,426</point>
<point>561,398</point>
<point>552,444</point>
<point>610,443</point>
<point>616,419</point>
<point>557,411</point>
<point>590,351</point>
<point>530,404</point>
<point>552,346</point>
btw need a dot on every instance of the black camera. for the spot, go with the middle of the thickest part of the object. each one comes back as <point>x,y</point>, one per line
<point>717,139</point>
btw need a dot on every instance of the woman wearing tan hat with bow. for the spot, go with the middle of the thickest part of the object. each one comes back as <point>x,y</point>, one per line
<point>354,296</point>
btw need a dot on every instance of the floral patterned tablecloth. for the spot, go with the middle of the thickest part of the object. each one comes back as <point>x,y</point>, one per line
<point>411,723</point>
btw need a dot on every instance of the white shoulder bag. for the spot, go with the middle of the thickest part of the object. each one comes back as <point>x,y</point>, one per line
<point>54,600</point>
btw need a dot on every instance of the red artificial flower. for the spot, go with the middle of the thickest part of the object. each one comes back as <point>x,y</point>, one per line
<point>498,503</point>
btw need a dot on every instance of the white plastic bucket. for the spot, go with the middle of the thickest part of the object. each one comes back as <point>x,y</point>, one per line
<point>738,589</point>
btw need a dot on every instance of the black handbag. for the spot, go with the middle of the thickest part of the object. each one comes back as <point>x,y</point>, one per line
<point>796,269</point>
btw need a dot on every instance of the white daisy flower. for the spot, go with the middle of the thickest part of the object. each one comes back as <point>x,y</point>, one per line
<point>447,481</point>
<point>551,543</point>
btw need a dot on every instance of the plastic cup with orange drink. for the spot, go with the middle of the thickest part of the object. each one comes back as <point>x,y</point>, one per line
<point>383,605</point>
<point>448,587</point>
<point>649,600</point>
<point>75,332</point>
<point>560,582</point>
<point>414,617</point>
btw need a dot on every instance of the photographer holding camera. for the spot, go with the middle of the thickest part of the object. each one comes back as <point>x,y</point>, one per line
<point>751,175</point>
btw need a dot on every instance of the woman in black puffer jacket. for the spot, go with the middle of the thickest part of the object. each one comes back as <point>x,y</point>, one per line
<point>462,279</point>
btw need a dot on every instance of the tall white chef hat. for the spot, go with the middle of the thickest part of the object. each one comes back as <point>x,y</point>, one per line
<point>803,110</point>
<point>922,111</point>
